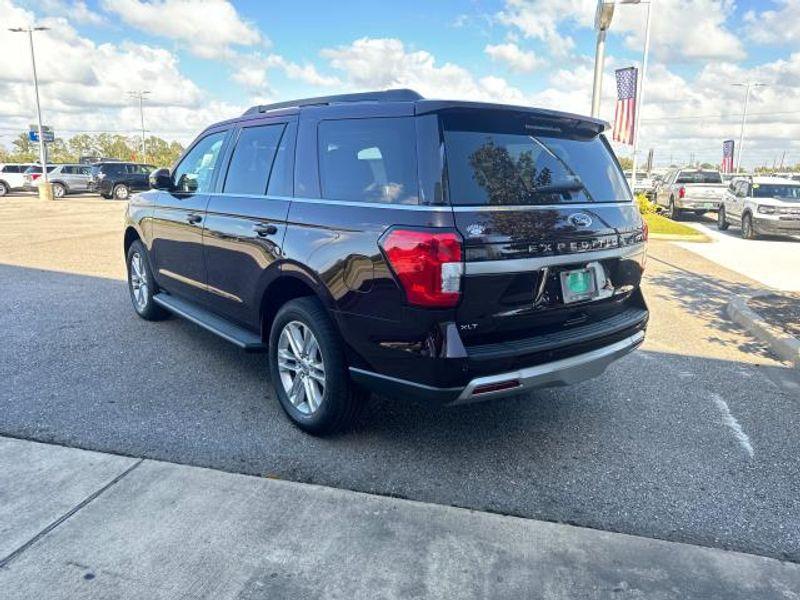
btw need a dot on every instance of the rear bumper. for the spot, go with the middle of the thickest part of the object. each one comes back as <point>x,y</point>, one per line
<point>692,204</point>
<point>566,371</point>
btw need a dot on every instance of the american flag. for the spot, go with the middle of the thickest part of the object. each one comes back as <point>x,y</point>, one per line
<point>727,156</point>
<point>625,117</point>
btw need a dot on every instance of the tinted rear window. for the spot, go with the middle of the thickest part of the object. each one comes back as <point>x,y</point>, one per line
<point>252,159</point>
<point>369,160</point>
<point>699,177</point>
<point>508,165</point>
<point>38,169</point>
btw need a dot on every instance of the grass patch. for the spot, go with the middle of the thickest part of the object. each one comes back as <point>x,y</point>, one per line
<point>659,224</point>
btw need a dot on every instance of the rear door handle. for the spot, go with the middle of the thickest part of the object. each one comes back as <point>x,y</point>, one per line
<point>264,229</point>
<point>193,218</point>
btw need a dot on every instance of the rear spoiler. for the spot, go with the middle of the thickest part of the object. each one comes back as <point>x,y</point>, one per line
<point>538,116</point>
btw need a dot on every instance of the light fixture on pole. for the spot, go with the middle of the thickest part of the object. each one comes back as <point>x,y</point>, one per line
<point>140,95</point>
<point>602,21</point>
<point>748,87</point>
<point>42,153</point>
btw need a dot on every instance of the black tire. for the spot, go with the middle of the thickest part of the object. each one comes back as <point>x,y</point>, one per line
<point>722,222</point>
<point>674,212</point>
<point>143,303</point>
<point>748,232</point>
<point>59,190</point>
<point>121,192</point>
<point>3,188</point>
<point>340,399</point>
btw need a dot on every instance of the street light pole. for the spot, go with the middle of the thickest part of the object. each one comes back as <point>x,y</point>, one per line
<point>748,87</point>
<point>602,21</point>
<point>42,153</point>
<point>140,94</point>
<point>640,94</point>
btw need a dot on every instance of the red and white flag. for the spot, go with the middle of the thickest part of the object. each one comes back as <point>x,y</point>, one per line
<point>727,156</point>
<point>625,116</point>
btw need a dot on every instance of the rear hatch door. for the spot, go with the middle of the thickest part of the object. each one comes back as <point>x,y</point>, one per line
<point>546,216</point>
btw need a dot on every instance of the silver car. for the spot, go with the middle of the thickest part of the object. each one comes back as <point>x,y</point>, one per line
<point>761,205</point>
<point>66,179</point>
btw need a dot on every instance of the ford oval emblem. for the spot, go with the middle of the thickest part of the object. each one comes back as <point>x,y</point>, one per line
<point>580,219</point>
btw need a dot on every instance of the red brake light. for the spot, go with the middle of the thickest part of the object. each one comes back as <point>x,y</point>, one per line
<point>428,264</point>
<point>681,192</point>
<point>35,176</point>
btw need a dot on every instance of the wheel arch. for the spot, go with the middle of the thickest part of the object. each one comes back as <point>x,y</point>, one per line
<point>131,235</point>
<point>288,285</point>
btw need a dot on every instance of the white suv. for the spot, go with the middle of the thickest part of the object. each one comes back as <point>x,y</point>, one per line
<point>12,176</point>
<point>761,205</point>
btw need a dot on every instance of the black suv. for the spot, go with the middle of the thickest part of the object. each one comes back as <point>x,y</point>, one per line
<point>382,242</point>
<point>119,179</point>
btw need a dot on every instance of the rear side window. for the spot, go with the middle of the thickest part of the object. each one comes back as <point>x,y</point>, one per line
<point>252,159</point>
<point>11,169</point>
<point>508,166</point>
<point>369,160</point>
<point>699,177</point>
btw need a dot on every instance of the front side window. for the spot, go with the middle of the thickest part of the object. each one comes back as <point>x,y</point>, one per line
<point>369,160</point>
<point>252,159</point>
<point>194,173</point>
<point>502,163</point>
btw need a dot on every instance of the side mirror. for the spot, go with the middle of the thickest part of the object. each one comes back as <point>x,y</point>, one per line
<point>161,179</point>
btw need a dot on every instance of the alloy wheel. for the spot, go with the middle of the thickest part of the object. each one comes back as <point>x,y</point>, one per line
<point>58,191</point>
<point>121,192</point>
<point>301,367</point>
<point>138,278</point>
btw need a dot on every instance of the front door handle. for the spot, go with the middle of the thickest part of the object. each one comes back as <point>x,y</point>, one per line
<point>264,229</point>
<point>193,218</point>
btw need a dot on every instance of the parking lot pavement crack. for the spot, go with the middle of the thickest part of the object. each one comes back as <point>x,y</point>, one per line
<point>4,562</point>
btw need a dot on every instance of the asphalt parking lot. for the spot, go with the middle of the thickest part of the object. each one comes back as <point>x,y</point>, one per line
<point>693,438</point>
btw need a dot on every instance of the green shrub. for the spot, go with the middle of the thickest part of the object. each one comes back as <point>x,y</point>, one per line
<point>645,206</point>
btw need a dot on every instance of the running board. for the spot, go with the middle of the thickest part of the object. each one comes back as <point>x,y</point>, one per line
<point>235,334</point>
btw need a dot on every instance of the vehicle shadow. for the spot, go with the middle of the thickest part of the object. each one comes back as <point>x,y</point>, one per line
<point>705,298</point>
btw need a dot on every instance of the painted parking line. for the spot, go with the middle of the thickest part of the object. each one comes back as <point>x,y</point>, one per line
<point>733,424</point>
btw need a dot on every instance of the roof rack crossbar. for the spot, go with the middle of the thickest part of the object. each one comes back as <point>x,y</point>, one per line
<point>398,95</point>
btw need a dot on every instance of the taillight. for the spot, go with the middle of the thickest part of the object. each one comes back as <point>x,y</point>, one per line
<point>35,176</point>
<point>428,264</point>
<point>681,192</point>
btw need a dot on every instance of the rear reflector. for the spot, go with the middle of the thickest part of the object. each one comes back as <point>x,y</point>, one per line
<point>496,387</point>
<point>428,264</point>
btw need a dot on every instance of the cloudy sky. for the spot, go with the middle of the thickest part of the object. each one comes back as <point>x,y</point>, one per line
<point>205,60</point>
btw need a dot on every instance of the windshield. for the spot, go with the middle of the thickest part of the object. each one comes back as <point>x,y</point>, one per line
<point>699,177</point>
<point>38,169</point>
<point>510,166</point>
<point>770,190</point>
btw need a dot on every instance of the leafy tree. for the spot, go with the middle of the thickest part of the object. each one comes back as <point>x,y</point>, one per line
<point>626,163</point>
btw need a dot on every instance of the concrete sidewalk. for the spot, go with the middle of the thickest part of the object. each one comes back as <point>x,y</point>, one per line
<point>79,524</point>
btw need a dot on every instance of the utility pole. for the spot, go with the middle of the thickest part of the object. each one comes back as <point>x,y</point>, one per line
<point>44,190</point>
<point>748,87</point>
<point>139,95</point>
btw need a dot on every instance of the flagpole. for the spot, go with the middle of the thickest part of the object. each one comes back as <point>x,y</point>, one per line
<point>640,95</point>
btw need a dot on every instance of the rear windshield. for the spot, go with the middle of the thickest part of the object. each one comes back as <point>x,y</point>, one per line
<point>38,169</point>
<point>510,164</point>
<point>699,177</point>
<point>769,190</point>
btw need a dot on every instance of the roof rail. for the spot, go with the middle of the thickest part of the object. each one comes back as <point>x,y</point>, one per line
<point>398,95</point>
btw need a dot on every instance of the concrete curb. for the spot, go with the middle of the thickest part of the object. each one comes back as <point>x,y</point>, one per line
<point>672,237</point>
<point>784,345</point>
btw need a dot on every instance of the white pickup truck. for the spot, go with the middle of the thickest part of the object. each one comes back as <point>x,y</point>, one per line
<point>695,190</point>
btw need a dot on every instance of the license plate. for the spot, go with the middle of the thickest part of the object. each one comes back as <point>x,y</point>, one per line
<point>578,284</point>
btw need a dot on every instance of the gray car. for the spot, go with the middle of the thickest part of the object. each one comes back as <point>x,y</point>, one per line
<point>65,179</point>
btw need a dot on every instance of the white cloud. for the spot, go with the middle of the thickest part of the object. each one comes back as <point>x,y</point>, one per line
<point>75,11</point>
<point>518,60</point>
<point>84,85</point>
<point>251,71</point>
<point>207,28</point>
<point>681,29</point>
<point>775,26</point>
<point>381,63</point>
